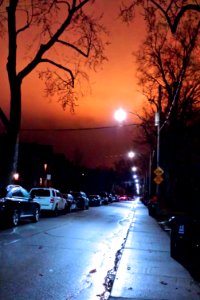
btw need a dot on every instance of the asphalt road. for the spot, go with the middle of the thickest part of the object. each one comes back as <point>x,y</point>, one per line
<point>63,258</point>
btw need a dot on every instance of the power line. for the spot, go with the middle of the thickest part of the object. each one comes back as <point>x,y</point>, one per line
<point>79,129</point>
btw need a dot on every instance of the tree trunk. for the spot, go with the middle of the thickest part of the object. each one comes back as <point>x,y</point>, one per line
<point>10,159</point>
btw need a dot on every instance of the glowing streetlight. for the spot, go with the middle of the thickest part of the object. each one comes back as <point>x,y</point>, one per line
<point>134,169</point>
<point>120,115</point>
<point>131,154</point>
<point>16,176</point>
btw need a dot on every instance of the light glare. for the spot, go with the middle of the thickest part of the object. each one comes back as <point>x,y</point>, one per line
<point>120,115</point>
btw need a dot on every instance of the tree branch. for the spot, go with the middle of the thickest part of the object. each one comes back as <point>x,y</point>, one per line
<point>75,48</point>
<point>173,26</point>
<point>60,67</point>
<point>181,13</point>
<point>25,26</point>
<point>45,47</point>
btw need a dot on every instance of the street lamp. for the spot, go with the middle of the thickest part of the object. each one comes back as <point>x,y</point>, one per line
<point>134,169</point>
<point>16,177</point>
<point>131,154</point>
<point>120,115</point>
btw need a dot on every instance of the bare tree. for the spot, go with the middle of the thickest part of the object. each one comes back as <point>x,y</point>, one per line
<point>172,10</point>
<point>65,38</point>
<point>172,62</point>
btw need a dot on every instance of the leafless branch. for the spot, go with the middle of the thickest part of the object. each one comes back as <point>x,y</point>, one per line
<point>75,48</point>
<point>59,66</point>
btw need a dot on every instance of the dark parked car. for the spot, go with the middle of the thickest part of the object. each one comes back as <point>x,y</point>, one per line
<point>95,200</point>
<point>105,198</point>
<point>81,199</point>
<point>70,202</point>
<point>16,204</point>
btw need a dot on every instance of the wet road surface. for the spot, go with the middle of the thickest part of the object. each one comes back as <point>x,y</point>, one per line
<point>63,258</point>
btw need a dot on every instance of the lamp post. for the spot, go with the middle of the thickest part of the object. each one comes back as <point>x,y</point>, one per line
<point>157,124</point>
<point>158,171</point>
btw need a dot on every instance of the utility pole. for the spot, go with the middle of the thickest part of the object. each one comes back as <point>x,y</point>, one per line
<point>157,124</point>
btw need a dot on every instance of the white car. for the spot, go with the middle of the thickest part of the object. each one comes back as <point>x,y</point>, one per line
<point>49,199</point>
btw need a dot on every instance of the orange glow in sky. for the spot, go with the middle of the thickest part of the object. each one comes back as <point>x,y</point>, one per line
<point>114,85</point>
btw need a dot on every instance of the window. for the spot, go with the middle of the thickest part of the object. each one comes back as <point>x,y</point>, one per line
<point>17,193</point>
<point>40,193</point>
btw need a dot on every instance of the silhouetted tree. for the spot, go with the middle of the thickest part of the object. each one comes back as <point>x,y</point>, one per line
<point>172,63</point>
<point>172,10</point>
<point>63,38</point>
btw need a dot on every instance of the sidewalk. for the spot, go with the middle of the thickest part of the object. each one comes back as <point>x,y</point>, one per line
<point>146,270</point>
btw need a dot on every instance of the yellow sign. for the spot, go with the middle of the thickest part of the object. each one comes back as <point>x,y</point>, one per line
<point>158,179</point>
<point>158,171</point>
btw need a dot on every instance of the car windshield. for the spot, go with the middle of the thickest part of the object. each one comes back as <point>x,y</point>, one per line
<point>40,193</point>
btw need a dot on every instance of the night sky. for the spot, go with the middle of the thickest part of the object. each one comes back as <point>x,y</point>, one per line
<point>113,85</point>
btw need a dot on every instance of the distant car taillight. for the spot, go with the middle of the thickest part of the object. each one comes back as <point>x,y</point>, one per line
<point>52,200</point>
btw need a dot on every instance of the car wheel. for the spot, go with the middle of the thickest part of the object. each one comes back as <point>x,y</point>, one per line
<point>55,213</point>
<point>36,215</point>
<point>82,206</point>
<point>15,218</point>
<point>67,209</point>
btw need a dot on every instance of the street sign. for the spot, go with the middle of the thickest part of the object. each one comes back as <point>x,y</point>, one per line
<point>158,179</point>
<point>158,171</point>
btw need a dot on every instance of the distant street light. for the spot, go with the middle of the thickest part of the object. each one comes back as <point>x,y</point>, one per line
<point>134,169</point>
<point>131,154</point>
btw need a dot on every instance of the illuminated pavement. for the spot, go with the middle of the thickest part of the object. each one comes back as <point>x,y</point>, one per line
<point>146,270</point>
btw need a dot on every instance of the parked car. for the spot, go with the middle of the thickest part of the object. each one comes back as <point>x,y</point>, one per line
<point>50,199</point>
<point>105,198</point>
<point>16,204</point>
<point>123,198</point>
<point>114,197</point>
<point>81,199</point>
<point>95,200</point>
<point>70,202</point>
